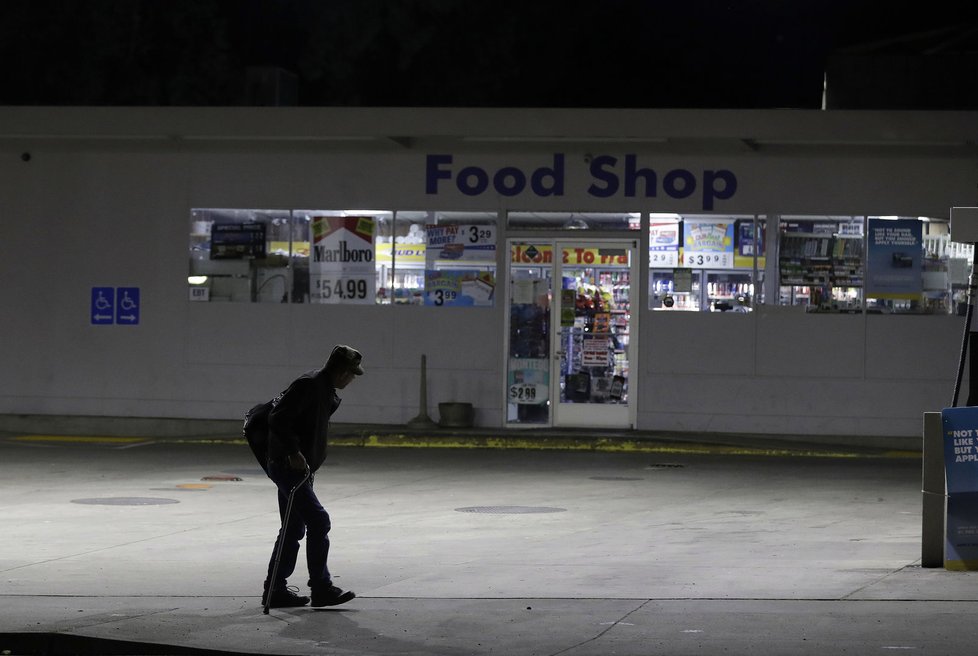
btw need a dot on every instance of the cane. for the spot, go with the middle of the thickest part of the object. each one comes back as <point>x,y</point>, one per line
<point>281,540</point>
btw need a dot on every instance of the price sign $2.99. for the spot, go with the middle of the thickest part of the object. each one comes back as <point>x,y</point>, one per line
<point>527,393</point>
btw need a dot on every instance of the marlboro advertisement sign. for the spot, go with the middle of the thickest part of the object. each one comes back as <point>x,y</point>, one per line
<point>341,260</point>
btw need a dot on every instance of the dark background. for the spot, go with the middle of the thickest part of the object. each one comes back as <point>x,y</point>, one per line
<point>533,53</point>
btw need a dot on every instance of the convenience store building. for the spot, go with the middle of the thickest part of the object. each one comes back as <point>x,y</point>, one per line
<point>775,271</point>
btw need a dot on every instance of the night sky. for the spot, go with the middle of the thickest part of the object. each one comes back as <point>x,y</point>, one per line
<point>534,53</point>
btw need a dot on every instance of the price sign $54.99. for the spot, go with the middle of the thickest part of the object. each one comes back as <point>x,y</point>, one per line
<point>338,290</point>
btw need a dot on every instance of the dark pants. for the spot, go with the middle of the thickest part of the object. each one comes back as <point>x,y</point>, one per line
<point>308,518</point>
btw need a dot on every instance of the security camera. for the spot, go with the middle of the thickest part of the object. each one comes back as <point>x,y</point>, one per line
<point>25,157</point>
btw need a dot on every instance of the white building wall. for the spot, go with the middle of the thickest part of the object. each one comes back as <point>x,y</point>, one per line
<point>778,371</point>
<point>88,210</point>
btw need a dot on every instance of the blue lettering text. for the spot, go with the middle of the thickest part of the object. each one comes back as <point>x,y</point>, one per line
<point>556,174</point>
<point>499,181</point>
<point>434,173</point>
<point>710,191</point>
<point>607,179</point>
<point>598,172</point>
<point>683,190</point>
<point>633,173</point>
<point>481,181</point>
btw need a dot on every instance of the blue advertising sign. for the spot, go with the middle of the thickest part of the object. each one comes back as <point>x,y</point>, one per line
<point>960,427</point>
<point>127,306</point>
<point>894,262</point>
<point>103,305</point>
<point>460,287</point>
<point>708,243</point>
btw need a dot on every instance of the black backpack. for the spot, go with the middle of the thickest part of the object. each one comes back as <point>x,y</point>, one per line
<point>255,430</point>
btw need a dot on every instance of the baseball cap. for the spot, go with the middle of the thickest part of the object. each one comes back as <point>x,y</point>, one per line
<point>347,356</point>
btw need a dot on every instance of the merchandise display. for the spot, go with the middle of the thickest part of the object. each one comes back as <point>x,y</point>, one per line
<point>696,290</point>
<point>821,264</point>
<point>594,339</point>
<point>701,263</point>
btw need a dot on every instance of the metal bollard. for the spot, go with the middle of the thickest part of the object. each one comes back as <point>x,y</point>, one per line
<point>933,486</point>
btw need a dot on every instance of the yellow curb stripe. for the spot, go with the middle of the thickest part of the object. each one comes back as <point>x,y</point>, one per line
<point>961,565</point>
<point>602,445</point>
<point>78,439</point>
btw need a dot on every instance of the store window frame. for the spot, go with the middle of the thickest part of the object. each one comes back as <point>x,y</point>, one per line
<point>247,262</point>
<point>463,272</point>
<point>823,259</point>
<point>724,274</point>
<point>940,267</point>
<point>466,272</point>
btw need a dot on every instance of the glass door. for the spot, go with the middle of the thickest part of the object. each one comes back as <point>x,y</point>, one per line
<point>593,343</point>
<point>528,369</point>
<point>571,333</point>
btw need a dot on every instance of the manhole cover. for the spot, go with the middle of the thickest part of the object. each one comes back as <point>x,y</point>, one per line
<point>221,477</point>
<point>665,465</point>
<point>614,478</point>
<point>125,501</point>
<point>510,510</point>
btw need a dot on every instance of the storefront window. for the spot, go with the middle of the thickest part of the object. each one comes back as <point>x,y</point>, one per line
<point>883,264</point>
<point>278,256</point>
<point>445,259</point>
<point>914,268</point>
<point>239,255</point>
<point>574,221</point>
<point>341,265</point>
<point>821,262</point>
<point>705,262</point>
<point>343,257</point>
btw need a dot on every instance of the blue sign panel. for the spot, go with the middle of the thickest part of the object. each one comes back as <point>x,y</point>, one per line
<point>894,265</point>
<point>960,427</point>
<point>462,287</point>
<point>127,306</point>
<point>103,305</point>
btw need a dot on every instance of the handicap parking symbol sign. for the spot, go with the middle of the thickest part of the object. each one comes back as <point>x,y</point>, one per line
<point>103,305</point>
<point>127,306</point>
<point>119,305</point>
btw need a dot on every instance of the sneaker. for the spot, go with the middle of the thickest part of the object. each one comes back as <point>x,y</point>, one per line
<point>330,595</point>
<point>285,598</point>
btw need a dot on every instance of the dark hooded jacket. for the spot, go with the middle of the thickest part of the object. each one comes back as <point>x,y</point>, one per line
<point>299,419</point>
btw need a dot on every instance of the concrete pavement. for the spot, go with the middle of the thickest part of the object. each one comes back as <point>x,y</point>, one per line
<point>474,551</point>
